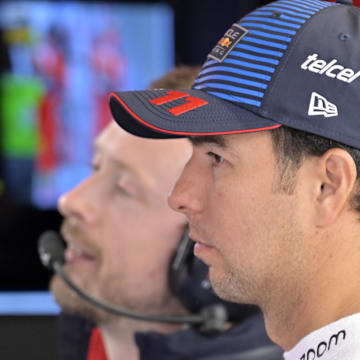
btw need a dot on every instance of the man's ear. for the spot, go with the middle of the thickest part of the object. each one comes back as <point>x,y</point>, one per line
<point>337,178</point>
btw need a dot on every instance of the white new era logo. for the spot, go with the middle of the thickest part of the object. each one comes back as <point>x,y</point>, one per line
<point>320,106</point>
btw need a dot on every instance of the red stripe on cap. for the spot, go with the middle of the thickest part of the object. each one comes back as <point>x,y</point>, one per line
<point>124,105</point>
<point>171,96</point>
<point>191,103</point>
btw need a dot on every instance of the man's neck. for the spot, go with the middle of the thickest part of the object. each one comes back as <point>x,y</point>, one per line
<point>119,339</point>
<point>331,293</point>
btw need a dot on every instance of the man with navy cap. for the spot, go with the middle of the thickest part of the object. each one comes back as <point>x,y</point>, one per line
<point>272,188</point>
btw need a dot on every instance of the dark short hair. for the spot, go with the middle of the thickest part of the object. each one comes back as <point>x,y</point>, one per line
<point>292,146</point>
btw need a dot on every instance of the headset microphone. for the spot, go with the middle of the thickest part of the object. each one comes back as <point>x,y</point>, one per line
<point>210,321</point>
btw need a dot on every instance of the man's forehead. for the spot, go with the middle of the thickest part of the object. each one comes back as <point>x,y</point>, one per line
<point>101,149</point>
<point>151,160</point>
<point>112,143</point>
<point>233,143</point>
<point>218,140</point>
<point>116,143</point>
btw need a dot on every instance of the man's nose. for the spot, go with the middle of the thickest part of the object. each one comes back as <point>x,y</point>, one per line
<point>187,194</point>
<point>79,202</point>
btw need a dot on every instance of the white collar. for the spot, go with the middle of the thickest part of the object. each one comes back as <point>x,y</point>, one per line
<point>339,340</point>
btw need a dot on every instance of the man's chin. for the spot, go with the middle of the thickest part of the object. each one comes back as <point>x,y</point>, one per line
<point>225,287</point>
<point>217,279</point>
<point>71,303</point>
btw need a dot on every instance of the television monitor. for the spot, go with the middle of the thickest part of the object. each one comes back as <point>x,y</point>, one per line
<point>62,59</point>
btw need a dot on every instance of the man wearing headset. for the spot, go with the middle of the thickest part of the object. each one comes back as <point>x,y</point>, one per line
<point>121,238</point>
<point>272,188</point>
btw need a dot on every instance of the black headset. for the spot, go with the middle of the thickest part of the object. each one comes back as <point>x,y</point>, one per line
<point>187,277</point>
<point>189,282</point>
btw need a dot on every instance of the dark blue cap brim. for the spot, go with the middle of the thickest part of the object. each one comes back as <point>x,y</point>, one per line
<point>180,113</point>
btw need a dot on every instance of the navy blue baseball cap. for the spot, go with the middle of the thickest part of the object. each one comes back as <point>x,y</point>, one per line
<point>291,62</point>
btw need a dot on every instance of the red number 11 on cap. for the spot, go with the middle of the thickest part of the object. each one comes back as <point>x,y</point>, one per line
<point>192,102</point>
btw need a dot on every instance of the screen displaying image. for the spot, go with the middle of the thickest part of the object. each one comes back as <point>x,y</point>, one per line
<point>62,60</point>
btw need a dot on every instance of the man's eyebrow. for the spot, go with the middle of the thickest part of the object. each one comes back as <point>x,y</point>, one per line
<point>127,167</point>
<point>208,139</point>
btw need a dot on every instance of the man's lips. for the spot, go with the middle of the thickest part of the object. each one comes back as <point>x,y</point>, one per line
<point>200,245</point>
<point>198,239</point>
<point>75,253</point>
<point>77,250</point>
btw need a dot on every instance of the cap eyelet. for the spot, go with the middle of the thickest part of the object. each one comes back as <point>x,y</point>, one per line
<point>344,37</point>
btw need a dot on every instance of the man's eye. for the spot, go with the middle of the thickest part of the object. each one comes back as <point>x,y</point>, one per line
<point>123,188</point>
<point>217,158</point>
<point>123,191</point>
<point>94,166</point>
